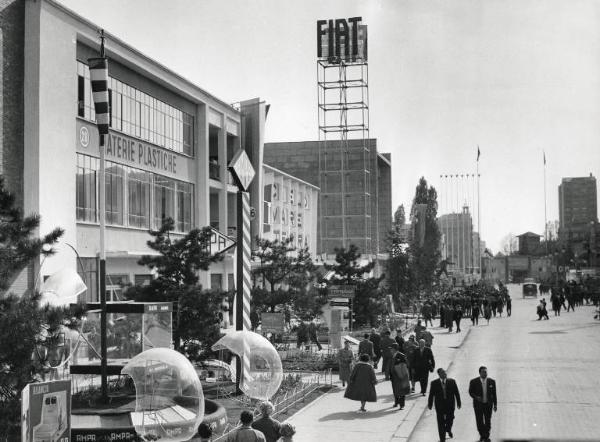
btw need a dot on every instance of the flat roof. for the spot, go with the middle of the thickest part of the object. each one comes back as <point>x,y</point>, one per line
<point>281,172</point>
<point>112,39</point>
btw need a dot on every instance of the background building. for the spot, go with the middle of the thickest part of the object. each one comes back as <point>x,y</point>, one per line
<point>367,197</point>
<point>166,154</point>
<point>577,201</point>
<point>289,209</point>
<point>579,229</point>
<point>529,243</point>
<point>457,229</point>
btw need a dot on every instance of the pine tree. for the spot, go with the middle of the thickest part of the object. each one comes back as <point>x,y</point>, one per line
<point>24,325</point>
<point>177,265</point>
<point>285,273</point>
<point>368,301</point>
<point>399,218</point>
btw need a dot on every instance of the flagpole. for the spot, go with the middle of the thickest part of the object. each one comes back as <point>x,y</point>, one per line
<point>545,216</point>
<point>479,217</point>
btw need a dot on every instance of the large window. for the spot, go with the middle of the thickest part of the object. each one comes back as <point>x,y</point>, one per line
<point>86,195</point>
<point>184,206</point>
<point>138,191</point>
<point>138,114</point>
<point>114,193</point>
<point>164,200</point>
<point>133,196</point>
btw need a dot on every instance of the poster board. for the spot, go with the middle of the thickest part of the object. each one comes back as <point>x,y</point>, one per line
<point>272,322</point>
<point>335,331</point>
<point>46,412</point>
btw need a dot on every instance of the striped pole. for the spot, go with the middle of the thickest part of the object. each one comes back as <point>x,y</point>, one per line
<point>244,281</point>
<point>99,79</point>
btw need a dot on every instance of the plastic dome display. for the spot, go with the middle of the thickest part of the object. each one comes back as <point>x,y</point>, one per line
<point>169,399</point>
<point>262,372</point>
<point>62,288</point>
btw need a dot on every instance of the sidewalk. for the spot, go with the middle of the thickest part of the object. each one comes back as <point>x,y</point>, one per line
<point>334,416</point>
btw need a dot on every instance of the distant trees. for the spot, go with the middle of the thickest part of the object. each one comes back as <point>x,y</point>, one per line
<point>397,266</point>
<point>424,248</point>
<point>414,258</point>
<point>509,244</point>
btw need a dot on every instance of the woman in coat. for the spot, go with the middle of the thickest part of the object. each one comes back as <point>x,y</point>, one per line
<point>361,385</point>
<point>400,379</point>
<point>345,358</point>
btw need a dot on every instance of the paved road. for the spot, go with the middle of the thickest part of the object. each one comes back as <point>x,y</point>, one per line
<point>547,374</point>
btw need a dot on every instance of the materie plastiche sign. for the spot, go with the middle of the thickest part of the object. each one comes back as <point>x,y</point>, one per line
<point>123,149</point>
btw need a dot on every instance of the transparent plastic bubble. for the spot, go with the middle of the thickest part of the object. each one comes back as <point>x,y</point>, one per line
<point>169,399</point>
<point>62,288</point>
<point>262,372</point>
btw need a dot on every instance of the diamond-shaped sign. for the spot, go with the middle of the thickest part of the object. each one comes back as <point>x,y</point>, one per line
<point>241,169</point>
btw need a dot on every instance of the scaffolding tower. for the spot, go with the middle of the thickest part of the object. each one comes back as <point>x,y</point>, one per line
<point>345,149</point>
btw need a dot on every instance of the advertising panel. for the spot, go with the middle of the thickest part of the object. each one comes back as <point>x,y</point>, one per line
<point>335,331</point>
<point>46,412</point>
<point>272,322</point>
<point>341,291</point>
<point>342,40</point>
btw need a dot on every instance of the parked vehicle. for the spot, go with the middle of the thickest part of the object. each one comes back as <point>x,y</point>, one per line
<point>530,288</point>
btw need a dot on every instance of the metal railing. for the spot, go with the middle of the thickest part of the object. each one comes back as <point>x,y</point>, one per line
<point>284,402</point>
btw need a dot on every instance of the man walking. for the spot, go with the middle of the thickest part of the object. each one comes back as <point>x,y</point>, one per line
<point>475,312</point>
<point>508,305</point>
<point>375,338</point>
<point>444,393</point>
<point>387,353</point>
<point>422,363</point>
<point>365,347</point>
<point>483,391</point>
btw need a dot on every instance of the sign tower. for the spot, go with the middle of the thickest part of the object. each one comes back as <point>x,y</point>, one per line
<point>344,151</point>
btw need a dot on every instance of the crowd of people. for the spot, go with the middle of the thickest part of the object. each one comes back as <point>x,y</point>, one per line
<point>406,363</point>
<point>474,302</point>
<point>568,295</point>
<point>262,429</point>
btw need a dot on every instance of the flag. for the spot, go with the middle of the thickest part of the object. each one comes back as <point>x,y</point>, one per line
<point>478,153</point>
<point>99,78</point>
<point>544,158</point>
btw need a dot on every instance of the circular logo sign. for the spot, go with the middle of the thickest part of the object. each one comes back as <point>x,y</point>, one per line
<point>84,136</point>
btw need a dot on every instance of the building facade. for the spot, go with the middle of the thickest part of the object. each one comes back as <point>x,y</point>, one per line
<point>457,229</point>
<point>578,223</point>
<point>166,154</point>
<point>289,209</point>
<point>577,201</point>
<point>366,191</point>
<point>529,243</point>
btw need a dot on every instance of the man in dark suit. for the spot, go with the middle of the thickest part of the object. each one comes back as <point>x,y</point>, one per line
<point>422,363</point>
<point>483,391</point>
<point>375,338</point>
<point>444,393</point>
<point>387,353</point>
<point>366,347</point>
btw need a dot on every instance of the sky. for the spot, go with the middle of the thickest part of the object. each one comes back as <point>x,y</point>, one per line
<point>515,77</point>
